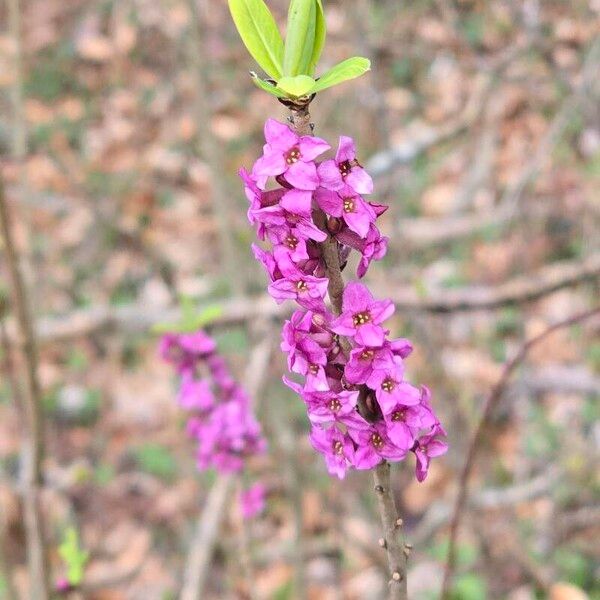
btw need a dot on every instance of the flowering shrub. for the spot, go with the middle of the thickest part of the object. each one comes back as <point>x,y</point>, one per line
<point>361,408</point>
<point>220,416</point>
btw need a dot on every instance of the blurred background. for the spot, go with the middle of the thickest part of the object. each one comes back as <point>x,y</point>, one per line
<point>122,126</point>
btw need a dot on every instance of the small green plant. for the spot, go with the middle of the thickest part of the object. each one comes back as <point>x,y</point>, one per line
<point>156,460</point>
<point>73,556</point>
<point>291,65</point>
<point>191,320</point>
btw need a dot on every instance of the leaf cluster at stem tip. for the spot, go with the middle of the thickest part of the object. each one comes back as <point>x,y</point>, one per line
<point>291,65</point>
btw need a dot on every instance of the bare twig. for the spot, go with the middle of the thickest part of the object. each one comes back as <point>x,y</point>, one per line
<point>440,512</point>
<point>136,318</point>
<point>19,141</point>
<point>392,530</point>
<point>201,549</point>
<point>402,154</point>
<point>519,290</point>
<point>34,442</point>
<point>421,232</point>
<point>300,119</point>
<point>202,545</point>
<point>243,555</point>
<point>488,408</point>
<point>8,371</point>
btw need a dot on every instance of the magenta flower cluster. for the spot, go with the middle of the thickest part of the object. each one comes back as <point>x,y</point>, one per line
<point>361,409</point>
<point>221,419</point>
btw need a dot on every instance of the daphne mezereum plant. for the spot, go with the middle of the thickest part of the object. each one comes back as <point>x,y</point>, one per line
<point>363,412</point>
<point>220,416</point>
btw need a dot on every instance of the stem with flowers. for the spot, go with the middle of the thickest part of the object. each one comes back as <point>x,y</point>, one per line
<point>313,214</point>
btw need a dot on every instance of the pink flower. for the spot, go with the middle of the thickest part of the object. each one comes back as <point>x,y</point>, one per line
<point>63,586</point>
<point>373,247</point>
<point>427,448</point>
<point>253,500</point>
<point>373,446</point>
<point>390,390</point>
<point>290,155</point>
<point>195,394</point>
<point>307,290</point>
<point>345,203</point>
<point>184,349</point>
<point>364,359</point>
<point>362,316</point>
<point>336,447</point>
<point>330,407</point>
<point>345,170</point>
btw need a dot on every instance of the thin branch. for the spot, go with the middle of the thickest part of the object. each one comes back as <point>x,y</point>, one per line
<point>207,530</point>
<point>136,318</point>
<point>393,540</point>
<point>440,512</point>
<point>392,525</point>
<point>519,290</point>
<point>422,232</point>
<point>202,546</point>
<point>404,153</point>
<point>32,409</point>
<point>7,370</point>
<point>19,141</point>
<point>488,408</point>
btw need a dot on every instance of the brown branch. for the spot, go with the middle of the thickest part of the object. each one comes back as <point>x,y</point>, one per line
<point>7,370</point>
<point>404,153</point>
<point>19,141</point>
<point>424,231</point>
<point>488,499</point>
<point>519,290</point>
<point>392,525</point>
<point>33,454</point>
<point>490,404</point>
<point>136,318</point>
<point>393,540</point>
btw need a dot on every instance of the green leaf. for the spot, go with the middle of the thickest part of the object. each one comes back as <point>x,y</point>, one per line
<point>320,35</point>
<point>266,86</point>
<point>156,460</point>
<point>300,37</point>
<point>470,587</point>
<point>298,86</point>
<point>344,71</point>
<point>191,320</point>
<point>73,556</point>
<point>260,34</point>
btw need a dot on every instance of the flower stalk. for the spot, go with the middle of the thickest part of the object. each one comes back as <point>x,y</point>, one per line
<point>363,412</point>
<point>392,524</point>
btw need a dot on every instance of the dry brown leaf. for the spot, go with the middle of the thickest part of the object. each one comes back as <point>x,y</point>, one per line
<point>567,591</point>
<point>95,48</point>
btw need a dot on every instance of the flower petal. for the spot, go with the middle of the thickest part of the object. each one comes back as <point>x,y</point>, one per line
<point>298,202</point>
<point>330,176</point>
<point>279,136</point>
<point>360,181</point>
<point>356,298</point>
<point>346,150</point>
<point>303,176</point>
<point>329,202</point>
<point>312,147</point>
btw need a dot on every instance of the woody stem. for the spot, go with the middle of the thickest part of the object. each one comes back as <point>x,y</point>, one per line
<point>393,539</point>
